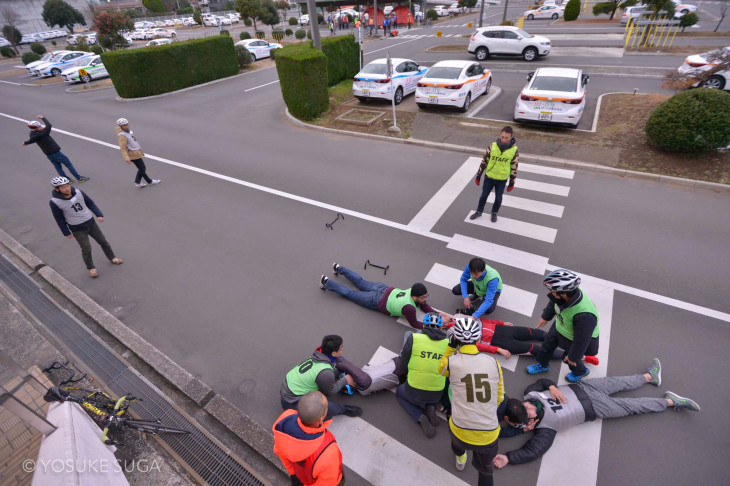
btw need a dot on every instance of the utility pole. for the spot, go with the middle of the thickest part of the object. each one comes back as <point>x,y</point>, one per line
<point>314,23</point>
<point>481,13</point>
<point>504,16</point>
<point>375,16</point>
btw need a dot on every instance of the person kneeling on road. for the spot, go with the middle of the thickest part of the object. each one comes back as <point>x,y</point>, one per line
<point>481,281</point>
<point>318,373</point>
<point>424,386</point>
<point>307,449</point>
<point>379,296</point>
<point>549,409</point>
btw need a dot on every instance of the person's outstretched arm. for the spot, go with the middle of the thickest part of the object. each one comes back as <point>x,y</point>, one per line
<point>534,448</point>
<point>488,299</point>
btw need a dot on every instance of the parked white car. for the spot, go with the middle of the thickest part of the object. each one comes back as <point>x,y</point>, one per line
<point>441,10</point>
<point>29,38</point>
<point>4,42</point>
<point>259,49</point>
<point>698,63</point>
<point>553,95</point>
<point>56,65</point>
<point>304,20</point>
<point>224,20</point>
<point>545,12</point>
<point>507,41</point>
<point>373,82</point>
<point>455,9</point>
<point>168,33</point>
<point>44,58</point>
<point>91,38</point>
<point>234,18</point>
<point>93,69</point>
<point>453,83</point>
<point>210,21</point>
<point>683,8</point>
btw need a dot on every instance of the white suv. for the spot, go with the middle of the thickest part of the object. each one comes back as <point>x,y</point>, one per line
<point>507,41</point>
<point>441,10</point>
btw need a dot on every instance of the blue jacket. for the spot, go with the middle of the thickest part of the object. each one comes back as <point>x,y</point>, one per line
<point>491,291</point>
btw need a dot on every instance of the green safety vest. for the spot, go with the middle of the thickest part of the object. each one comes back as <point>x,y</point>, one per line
<point>500,163</point>
<point>423,366</point>
<point>564,319</point>
<point>303,378</point>
<point>480,286</point>
<point>396,300</point>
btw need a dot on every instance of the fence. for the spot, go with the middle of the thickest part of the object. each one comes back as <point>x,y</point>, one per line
<point>658,33</point>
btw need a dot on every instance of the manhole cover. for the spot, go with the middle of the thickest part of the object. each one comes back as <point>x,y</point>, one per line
<point>247,386</point>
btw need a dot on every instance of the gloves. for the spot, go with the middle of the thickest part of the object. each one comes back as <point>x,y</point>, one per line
<point>511,185</point>
<point>476,181</point>
<point>453,342</point>
<point>295,480</point>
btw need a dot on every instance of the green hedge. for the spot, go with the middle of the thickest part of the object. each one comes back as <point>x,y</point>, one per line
<point>29,57</point>
<point>302,73</point>
<point>155,70</point>
<point>572,10</point>
<point>342,62</point>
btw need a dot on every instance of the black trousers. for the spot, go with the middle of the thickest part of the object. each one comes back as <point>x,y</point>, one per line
<point>470,289</point>
<point>554,340</point>
<point>82,237</point>
<point>141,171</point>
<point>482,459</point>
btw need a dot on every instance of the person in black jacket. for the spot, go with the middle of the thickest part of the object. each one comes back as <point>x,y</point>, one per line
<point>42,136</point>
<point>549,409</point>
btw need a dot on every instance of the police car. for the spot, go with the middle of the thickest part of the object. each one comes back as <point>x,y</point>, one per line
<point>56,65</point>
<point>453,83</point>
<point>373,82</point>
<point>93,67</point>
<point>553,95</point>
<point>258,48</point>
<point>45,58</point>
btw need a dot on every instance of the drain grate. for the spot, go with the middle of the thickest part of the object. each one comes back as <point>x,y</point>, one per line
<point>200,453</point>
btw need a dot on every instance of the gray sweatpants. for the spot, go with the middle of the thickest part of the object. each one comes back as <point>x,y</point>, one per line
<point>599,391</point>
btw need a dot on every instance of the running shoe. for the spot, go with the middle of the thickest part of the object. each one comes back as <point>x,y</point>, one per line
<point>83,179</point>
<point>656,372</point>
<point>323,282</point>
<point>575,378</point>
<point>155,181</point>
<point>536,368</point>
<point>428,429</point>
<point>461,462</point>
<point>682,402</point>
<point>141,184</point>
<point>431,414</point>
<point>336,267</point>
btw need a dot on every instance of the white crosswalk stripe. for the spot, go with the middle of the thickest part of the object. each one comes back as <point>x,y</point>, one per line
<point>498,253</point>
<point>545,170</point>
<point>531,205</point>
<point>545,187</point>
<point>522,228</point>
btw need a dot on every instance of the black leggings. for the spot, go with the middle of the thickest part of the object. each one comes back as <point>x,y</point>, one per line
<point>516,340</point>
<point>141,171</point>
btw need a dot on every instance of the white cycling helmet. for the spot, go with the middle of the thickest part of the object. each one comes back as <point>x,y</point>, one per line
<point>59,181</point>
<point>468,330</point>
<point>562,280</point>
<point>34,123</point>
<point>122,121</point>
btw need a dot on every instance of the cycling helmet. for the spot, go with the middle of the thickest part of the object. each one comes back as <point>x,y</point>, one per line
<point>468,330</point>
<point>34,124</point>
<point>59,181</point>
<point>562,280</point>
<point>433,319</point>
<point>122,121</point>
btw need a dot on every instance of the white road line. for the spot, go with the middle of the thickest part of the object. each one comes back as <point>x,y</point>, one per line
<point>545,187</point>
<point>512,298</point>
<point>260,86</point>
<point>548,171</point>
<point>10,82</point>
<point>514,226</point>
<point>723,316</point>
<point>529,205</point>
<point>388,47</point>
<point>498,253</point>
<point>429,215</point>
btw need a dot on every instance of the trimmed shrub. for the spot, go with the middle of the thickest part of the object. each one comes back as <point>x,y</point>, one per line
<point>278,35</point>
<point>69,47</point>
<point>293,21</point>
<point>38,48</point>
<point>7,51</point>
<point>302,73</point>
<point>29,57</point>
<point>320,18</point>
<point>154,70</point>
<point>342,61</point>
<point>247,22</point>
<point>97,49</point>
<point>259,34</point>
<point>243,56</point>
<point>82,46</point>
<point>431,14</point>
<point>688,20</point>
<point>53,43</point>
<point>289,32</point>
<point>244,35</point>
<point>272,54</point>
<point>692,121</point>
<point>603,8</point>
<point>506,22</point>
<point>300,34</point>
<point>225,32</point>
<point>309,34</point>
<point>572,10</point>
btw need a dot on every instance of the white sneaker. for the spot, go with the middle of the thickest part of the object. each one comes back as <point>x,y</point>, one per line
<point>461,462</point>
<point>141,184</point>
<point>155,181</point>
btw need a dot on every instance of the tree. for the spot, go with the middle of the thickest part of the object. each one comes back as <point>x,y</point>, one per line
<point>723,14</point>
<point>156,6</point>
<point>611,6</point>
<point>688,20</point>
<point>197,17</point>
<point>718,61</point>
<point>109,27</point>
<point>12,34</point>
<point>269,13</point>
<point>60,13</point>
<point>572,10</point>
<point>11,19</point>
<point>249,9</point>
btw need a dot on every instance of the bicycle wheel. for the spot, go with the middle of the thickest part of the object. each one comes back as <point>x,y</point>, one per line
<point>152,427</point>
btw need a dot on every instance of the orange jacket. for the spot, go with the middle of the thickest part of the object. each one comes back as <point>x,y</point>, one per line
<point>295,442</point>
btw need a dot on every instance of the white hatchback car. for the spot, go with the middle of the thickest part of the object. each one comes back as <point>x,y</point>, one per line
<point>373,82</point>
<point>553,95</point>
<point>258,48</point>
<point>703,62</point>
<point>508,41</point>
<point>453,83</point>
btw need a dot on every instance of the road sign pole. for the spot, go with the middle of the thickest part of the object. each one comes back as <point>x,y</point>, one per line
<point>389,73</point>
<point>314,23</point>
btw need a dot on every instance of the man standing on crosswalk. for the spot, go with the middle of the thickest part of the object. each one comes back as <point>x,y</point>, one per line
<point>500,163</point>
<point>481,281</point>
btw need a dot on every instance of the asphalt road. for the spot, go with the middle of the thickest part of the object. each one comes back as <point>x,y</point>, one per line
<point>223,277</point>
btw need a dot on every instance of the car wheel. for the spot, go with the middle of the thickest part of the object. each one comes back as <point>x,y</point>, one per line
<point>555,16</point>
<point>529,54</point>
<point>86,78</point>
<point>530,17</point>
<point>253,57</point>
<point>489,86</point>
<point>482,53</point>
<point>685,11</point>
<point>715,82</point>
<point>173,35</point>
<point>398,95</point>
<point>55,72</point>
<point>422,106</point>
<point>467,103</point>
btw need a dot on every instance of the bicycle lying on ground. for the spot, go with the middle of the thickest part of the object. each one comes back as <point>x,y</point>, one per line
<point>109,413</point>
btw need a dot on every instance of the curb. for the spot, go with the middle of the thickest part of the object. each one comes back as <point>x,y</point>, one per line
<point>540,159</point>
<point>231,417</point>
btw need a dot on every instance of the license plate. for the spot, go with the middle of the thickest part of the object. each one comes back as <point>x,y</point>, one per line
<point>366,92</point>
<point>433,99</point>
<point>545,116</point>
<point>544,106</point>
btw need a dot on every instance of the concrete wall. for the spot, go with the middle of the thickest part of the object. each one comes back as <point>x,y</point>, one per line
<point>30,14</point>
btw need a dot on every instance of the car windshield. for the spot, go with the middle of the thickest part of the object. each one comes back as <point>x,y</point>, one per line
<point>444,72</point>
<point>374,69</point>
<point>46,56</point>
<point>58,57</point>
<point>86,62</point>
<point>554,83</point>
<point>523,33</point>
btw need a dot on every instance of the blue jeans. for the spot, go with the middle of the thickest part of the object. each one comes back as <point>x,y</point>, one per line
<point>368,294</point>
<point>487,186</point>
<point>59,159</point>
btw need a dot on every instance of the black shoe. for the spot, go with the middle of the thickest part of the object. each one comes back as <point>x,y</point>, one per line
<point>494,217</point>
<point>428,429</point>
<point>475,215</point>
<point>336,267</point>
<point>353,411</point>
<point>84,179</point>
<point>431,414</point>
<point>323,282</point>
